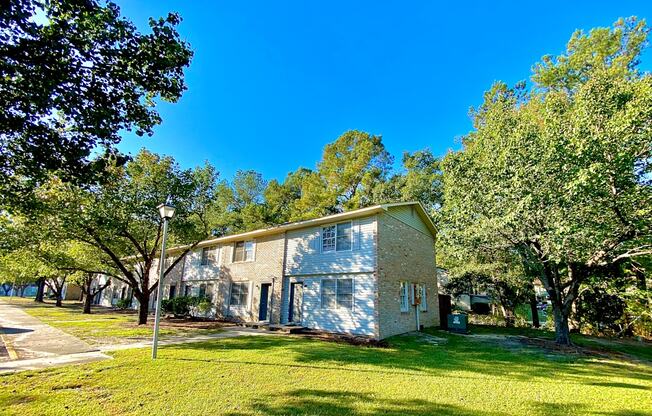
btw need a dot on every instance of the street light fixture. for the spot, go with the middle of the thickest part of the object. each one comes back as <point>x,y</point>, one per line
<point>167,212</point>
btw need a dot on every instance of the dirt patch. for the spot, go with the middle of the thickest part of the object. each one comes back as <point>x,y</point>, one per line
<point>341,338</point>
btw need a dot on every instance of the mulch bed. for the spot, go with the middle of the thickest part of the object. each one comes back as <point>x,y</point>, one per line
<point>341,338</point>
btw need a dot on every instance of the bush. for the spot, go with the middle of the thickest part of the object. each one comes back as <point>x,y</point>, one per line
<point>181,306</point>
<point>123,303</point>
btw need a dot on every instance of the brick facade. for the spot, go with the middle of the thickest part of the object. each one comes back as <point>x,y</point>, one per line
<point>404,254</point>
<point>266,268</point>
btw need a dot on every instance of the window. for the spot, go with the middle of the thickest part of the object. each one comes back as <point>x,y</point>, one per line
<point>204,256</point>
<point>239,294</point>
<point>337,237</point>
<point>423,307</point>
<point>243,251</point>
<point>337,293</point>
<point>404,297</point>
<point>209,292</point>
<point>202,290</point>
<point>173,291</point>
<point>187,290</point>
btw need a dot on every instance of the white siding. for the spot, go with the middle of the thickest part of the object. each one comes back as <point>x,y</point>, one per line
<point>359,320</point>
<point>193,270</point>
<point>304,255</point>
<point>408,215</point>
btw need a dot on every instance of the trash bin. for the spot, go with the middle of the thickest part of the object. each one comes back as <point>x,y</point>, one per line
<point>457,322</point>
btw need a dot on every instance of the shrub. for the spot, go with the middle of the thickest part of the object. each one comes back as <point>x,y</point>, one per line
<point>181,306</point>
<point>123,303</point>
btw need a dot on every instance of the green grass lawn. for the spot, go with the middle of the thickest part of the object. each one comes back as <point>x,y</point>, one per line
<point>103,326</point>
<point>279,375</point>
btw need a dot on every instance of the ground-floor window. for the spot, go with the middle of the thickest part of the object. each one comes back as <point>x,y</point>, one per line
<point>239,293</point>
<point>404,296</point>
<point>206,291</point>
<point>173,291</point>
<point>423,306</point>
<point>337,293</point>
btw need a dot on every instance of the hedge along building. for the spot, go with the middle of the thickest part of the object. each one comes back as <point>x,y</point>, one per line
<point>359,272</point>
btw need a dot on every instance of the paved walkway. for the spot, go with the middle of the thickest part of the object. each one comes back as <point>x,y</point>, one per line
<point>29,344</point>
<point>32,344</point>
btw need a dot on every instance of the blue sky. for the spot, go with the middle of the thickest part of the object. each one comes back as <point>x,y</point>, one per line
<point>272,82</point>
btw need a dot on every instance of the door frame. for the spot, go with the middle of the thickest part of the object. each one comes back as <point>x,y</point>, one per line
<point>267,301</point>
<point>291,316</point>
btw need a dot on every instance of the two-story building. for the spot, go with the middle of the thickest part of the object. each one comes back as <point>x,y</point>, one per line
<point>366,272</point>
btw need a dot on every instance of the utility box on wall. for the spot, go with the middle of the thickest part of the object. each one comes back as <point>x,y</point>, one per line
<point>458,323</point>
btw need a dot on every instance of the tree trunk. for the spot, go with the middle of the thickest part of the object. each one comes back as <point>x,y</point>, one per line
<point>40,290</point>
<point>87,303</point>
<point>58,302</point>
<point>143,307</point>
<point>562,331</point>
<point>509,317</point>
<point>535,312</point>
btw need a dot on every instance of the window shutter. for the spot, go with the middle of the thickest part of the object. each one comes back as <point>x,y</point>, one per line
<point>357,235</point>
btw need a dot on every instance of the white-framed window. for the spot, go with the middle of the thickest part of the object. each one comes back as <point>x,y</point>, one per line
<point>239,293</point>
<point>208,256</point>
<point>243,251</point>
<point>337,293</point>
<point>404,296</point>
<point>337,237</point>
<point>423,307</point>
<point>204,256</point>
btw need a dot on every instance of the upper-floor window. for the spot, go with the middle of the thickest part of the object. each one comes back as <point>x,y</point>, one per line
<point>243,251</point>
<point>337,237</point>
<point>208,256</point>
<point>337,293</point>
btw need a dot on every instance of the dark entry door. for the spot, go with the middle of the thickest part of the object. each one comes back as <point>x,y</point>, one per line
<point>264,301</point>
<point>296,299</point>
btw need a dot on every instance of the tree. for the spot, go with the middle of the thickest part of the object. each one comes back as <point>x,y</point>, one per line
<point>73,75</point>
<point>420,181</point>
<point>119,218</point>
<point>352,166</point>
<point>561,172</point>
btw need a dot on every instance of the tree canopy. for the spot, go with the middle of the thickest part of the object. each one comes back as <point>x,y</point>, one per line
<point>561,171</point>
<point>73,76</point>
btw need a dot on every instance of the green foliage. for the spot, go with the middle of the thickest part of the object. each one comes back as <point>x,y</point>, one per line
<point>180,306</point>
<point>560,173</point>
<point>123,303</point>
<point>74,74</point>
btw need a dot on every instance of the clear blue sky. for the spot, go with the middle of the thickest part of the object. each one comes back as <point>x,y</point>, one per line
<point>272,82</point>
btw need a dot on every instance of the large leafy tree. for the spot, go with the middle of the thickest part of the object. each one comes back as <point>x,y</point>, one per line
<point>73,75</point>
<point>561,171</point>
<point>119,219</point>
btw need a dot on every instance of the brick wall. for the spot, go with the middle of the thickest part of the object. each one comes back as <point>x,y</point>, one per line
<point>404,254</point>
<point>267,267</point>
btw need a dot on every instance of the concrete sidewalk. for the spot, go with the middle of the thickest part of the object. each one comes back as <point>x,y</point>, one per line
<point>32,344</point>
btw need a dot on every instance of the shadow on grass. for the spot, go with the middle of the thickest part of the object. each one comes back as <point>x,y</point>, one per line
<point>328,402</point>
<point>408,355</point>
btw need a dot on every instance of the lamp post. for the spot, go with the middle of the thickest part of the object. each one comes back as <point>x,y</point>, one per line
<point>167,212</point>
